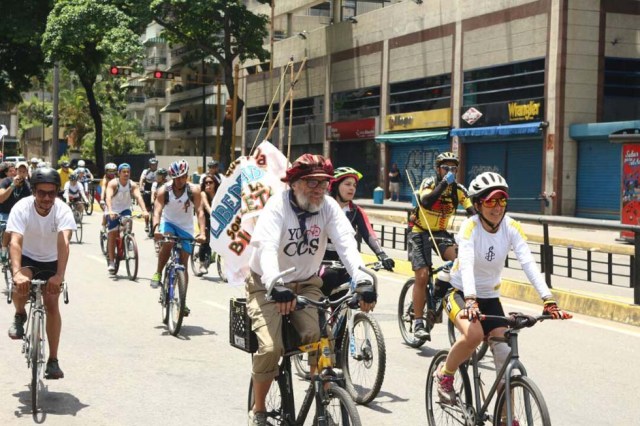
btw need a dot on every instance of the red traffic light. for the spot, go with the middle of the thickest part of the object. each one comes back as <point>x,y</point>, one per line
<point>114,70</point>
<point>163,75</point>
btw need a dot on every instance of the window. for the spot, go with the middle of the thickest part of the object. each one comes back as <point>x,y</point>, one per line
<point>420,95</point>
<point>621,89</point>
<point>256,115</point>
<point>355,104</point>
<point>306,110</point>
<point>510,82</point>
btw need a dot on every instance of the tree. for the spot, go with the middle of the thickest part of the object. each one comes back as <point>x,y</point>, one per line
<point>120,136</point>
<point>223,29</point>
<point>85,35</point>
<point>21,28</point>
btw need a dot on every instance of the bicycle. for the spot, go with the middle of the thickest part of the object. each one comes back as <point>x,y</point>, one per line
<point>91,193</point>
<point>359,346</point>
<point>525,405</point>
<point>6,265</point>
<point>126,246</point>
<point>333,404</point>
<point>217,259</point>
<point>77,216</point>
<point>173,291</point>
<point>433,311</point>
<point>33,345</point>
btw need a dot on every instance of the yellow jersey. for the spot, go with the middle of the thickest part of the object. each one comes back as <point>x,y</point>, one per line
<point>438,215</point>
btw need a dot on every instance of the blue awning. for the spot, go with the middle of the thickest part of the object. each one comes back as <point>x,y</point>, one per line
<point>408,137</point>
<point>512,129</point>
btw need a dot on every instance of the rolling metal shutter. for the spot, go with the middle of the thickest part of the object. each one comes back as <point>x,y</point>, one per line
<point>519,162</point>
<point>599,180</point>
<point>418,159</point>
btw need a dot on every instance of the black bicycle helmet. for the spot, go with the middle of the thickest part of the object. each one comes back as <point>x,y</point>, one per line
<point>45,175</point>
<point>162,172</point>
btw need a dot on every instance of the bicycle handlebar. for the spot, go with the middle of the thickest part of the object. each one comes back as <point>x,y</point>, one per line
<point>40,283</point>
<point>515,320</point>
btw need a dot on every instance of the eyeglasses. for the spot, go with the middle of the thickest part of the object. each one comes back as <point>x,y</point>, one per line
<point>314,183</point>
<point>449,168</point>
<point>44,194</point>
<point>208,183</point>
<point>492,202</point>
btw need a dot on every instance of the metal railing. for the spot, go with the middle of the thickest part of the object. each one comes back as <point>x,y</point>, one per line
<point>595,265</point>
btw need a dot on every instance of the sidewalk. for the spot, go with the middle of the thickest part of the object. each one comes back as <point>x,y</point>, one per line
<point>594,299</point>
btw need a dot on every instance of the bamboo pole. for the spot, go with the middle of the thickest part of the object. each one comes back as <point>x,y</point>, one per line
<point>424,217</point>
<point>234,111</point>
<point>290,112</point>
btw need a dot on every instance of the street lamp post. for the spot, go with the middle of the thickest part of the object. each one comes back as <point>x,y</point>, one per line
<point>204,122</point>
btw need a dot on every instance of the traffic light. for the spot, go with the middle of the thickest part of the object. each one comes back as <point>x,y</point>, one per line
<point>163,75</point>
<point>116,70</point>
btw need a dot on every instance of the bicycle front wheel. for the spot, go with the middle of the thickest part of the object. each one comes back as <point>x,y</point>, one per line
<point>406,316</point>
<point>164,297</point>
<point>37,360</point>
<point>481,350</point>
<point>90,203</point>
<point>131,256</point>
<point>527,404</point>
<point>338,408</point>
<point>176,303</point>
<point>273,402</point>
<point>364,358</point>
<point>221,272</point>
<point>441,413</point>
<point>79,232</point>
<point>195,256</point>
<point>103,242</point>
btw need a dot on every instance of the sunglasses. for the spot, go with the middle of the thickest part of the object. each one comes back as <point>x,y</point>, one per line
<point>44,194</point>
<point>314,183</point>
<point>492,202</point>
<point>449,168</point>
<point>208,182</point>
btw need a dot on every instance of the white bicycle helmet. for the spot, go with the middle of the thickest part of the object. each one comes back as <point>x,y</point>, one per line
<point>81,163</point>
<point>485,183</point>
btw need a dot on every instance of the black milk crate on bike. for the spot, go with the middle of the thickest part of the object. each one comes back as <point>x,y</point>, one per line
<point>240,334</point>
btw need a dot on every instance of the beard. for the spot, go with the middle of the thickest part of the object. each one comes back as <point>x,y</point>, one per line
<point>305,204</point>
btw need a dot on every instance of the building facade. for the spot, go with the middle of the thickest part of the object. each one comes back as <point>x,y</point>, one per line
<point>501,83</point>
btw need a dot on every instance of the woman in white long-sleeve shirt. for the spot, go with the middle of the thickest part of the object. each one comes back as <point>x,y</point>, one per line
<point>484,241</point>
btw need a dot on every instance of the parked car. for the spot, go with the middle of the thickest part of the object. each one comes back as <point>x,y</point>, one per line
<point>15,158</point>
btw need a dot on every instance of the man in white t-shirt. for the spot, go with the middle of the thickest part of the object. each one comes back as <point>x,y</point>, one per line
<point>292,231</point>
<point>40,226</point>
<point>173,214</point>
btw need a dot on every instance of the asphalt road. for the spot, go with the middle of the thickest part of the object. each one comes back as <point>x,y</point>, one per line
<point>123,368</point>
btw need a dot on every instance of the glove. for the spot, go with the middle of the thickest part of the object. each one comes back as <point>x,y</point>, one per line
<point>281,294</point>
<point>450,177</point>
<point>471,310</point>
<point>366,291</point>
<point>551,308</point>
<point>387,262</point>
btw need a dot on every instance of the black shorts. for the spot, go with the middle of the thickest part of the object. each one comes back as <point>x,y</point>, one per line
<point>420,246</point>
<point>454,303</point>
<point>40,270</point>
<point>146,197</point>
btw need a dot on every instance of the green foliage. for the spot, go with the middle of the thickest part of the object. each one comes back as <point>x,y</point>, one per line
<point>121,137</point>
<point>21,28</point>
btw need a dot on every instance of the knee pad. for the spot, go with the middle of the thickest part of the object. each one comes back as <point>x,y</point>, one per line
<point>500,351</point>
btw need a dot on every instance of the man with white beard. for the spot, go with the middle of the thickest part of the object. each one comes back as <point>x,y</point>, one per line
<point>292,231</point>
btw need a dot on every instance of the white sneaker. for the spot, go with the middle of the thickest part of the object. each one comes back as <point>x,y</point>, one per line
<point>112,268</point>
<point>203,270</point>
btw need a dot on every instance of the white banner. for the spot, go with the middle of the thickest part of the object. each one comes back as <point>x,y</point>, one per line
<point>3,131</point>
<point>249,183</point>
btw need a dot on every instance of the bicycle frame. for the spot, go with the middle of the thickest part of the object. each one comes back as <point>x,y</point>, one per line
<point>174,264</point>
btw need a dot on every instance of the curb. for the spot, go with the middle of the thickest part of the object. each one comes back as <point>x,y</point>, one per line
<point>571,301</point>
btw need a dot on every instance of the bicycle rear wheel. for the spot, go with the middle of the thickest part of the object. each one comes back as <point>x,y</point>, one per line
<point>274,403</point>
<point>176,303</point>
<point>453,332</point>
<point>103,242</point>
<point>79,232</point>
<point>406,316</point>
<point>36,360</point>
<point>339,408</point>
<point>527,404</point>
<point>91,198</point>
<point>131,256</point>
<point>364,364</point>
<point>440,413</point>
<point>220,264</point>
<point>301,363</point>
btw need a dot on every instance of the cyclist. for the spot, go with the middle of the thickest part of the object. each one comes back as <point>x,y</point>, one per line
<point>208,188</point>
<point>439,197</point>
<point>33,165</point>
<point>64,171</point>
<point>173,211</point>
<point>84,175</point>
<point>36,252</point>
<point>343,189</point>
<point>485,240</point>
<point>213,170</point>
<point>74,191</point>
<point>7,169</point>
<point>119,194</point>
<point>161,179</point>
<point>109,173</point>
<point>12,189</point>
<point>147,178</point>
<point>292,231</point>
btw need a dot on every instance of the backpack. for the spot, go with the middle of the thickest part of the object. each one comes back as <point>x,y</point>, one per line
<point>167,188</point>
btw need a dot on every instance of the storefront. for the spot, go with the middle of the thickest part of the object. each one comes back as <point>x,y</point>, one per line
<point>598,192</point>
<point>352,144</point>
<point>492,141</point>
<point>414,148</point>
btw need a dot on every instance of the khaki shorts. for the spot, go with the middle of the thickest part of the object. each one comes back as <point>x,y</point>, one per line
<point>267,324</point>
